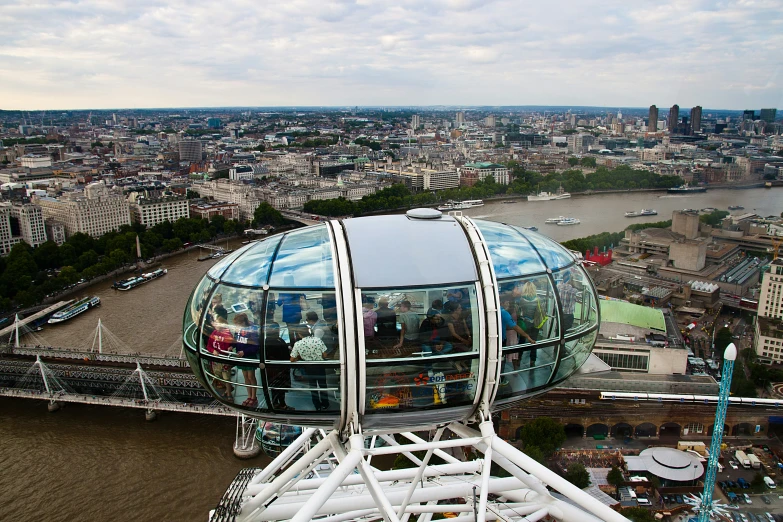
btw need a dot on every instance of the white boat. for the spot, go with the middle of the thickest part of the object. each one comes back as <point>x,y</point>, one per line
<point>633,213</point>
<point>548,196</point>
<point>568,221</point>
<point>133,282</point>
<point>555,221</point>
<point>461,205</point>
<point>82,305</point>
<point>649,212</point>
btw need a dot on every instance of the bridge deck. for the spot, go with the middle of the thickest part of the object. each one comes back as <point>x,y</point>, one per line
<point>205,409</point>
<point>27,320</point>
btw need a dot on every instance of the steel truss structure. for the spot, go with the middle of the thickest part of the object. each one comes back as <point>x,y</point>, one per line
<point>289,488</point>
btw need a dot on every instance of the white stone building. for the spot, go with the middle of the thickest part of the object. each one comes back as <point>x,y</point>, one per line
<point>31,223</point>
<point>151,211</point>
<point>94,212</point>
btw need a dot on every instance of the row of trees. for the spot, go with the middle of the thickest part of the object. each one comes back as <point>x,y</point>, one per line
<point>522,182</point>
<point>28,275</point>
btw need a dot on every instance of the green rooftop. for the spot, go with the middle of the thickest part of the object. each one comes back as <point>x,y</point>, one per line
<point>631,314</point>
<point>483,165</point>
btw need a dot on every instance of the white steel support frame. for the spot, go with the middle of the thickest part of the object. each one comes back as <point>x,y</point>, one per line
<point>354,490</point>
<point>245,440</point>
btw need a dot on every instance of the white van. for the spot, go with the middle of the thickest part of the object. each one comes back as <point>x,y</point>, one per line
<point>770,483</point>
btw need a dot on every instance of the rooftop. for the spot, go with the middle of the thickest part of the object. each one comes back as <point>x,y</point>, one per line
<point>634,315</point>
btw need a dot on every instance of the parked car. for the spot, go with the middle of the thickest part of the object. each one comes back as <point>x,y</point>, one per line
<point>679,499</point>
<point>766,499</point>
<point>733,464</point>
<point>747,498</point>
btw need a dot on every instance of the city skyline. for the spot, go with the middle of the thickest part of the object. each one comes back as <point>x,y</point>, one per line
<point>91,55</point>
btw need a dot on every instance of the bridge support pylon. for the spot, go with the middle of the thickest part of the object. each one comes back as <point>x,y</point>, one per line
<point>245,445</point>
<point>150,415</point>
<point>53,406</point>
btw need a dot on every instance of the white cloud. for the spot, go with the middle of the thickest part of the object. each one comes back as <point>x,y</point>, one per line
<point>93,53</point>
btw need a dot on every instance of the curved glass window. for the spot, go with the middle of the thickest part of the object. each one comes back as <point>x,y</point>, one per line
<point>420,347</point>
<point>217,269</point>
<point>197,303</point>
<point>554,255</point>
<point>253,269</point>
<point>575,353</point>
<point>511,254</point>
<point>579,309</point>
<point>304,260</point>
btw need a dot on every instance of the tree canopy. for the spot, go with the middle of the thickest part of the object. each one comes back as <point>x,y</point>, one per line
<point>577,475</point>
<point>266,214</point>
<point>544,433</point>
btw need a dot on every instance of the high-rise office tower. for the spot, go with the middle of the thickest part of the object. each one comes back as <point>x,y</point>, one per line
<point>190,150</point>
<point>749,115</point>
<point>768,115</point>
<point>696,119</point>
<point>674,117</point>
<point>415,121</point>
<point>652,124</point>
<point>460,119</point>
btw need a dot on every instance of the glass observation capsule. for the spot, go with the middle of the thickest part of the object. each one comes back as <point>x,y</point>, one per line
<point>397,321</point>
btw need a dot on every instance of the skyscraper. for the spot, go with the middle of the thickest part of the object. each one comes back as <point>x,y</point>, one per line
<point>696,119</point>
<point>652,124</point>
<point>674,117</point>
<point>768,115</point>
<point>415,121</point>
<point>749,115</point>
<point>460,119</point>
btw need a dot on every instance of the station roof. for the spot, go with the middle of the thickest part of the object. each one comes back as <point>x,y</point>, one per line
<point>667,463</point>
<point>631,314</point>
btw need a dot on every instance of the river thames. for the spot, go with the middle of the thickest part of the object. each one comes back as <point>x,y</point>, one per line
<point>90,463</point>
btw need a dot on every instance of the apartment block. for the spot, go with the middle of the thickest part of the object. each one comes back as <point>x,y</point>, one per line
<point>94,212</point>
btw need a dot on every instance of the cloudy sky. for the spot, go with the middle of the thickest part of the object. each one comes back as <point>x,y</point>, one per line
<point>158,53</point>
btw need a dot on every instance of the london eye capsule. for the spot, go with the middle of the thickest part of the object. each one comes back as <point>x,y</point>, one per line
<point>390,322</point>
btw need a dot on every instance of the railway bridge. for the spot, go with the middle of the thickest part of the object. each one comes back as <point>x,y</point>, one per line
<point>585,414</point>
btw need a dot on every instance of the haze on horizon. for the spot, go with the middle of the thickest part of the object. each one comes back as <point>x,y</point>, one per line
<point>93,54</point>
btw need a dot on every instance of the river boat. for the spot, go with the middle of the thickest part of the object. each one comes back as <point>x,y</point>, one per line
<point>568,221</point>
<point>509,201</point>
<point>736,207</point>
<point>555,221</point>
<point>686,189</point>
<point>461,205</point>
<point>649,212</point>
<point>80,306</point>
<point>532,229</point>
<point>549,196</point>
<point>708,209</point>
<point>133,282</point>
<point>633,213</point>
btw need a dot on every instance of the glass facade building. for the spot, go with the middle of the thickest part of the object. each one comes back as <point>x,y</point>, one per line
<point>390,321</point>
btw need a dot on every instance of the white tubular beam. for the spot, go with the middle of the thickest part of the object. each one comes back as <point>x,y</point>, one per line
<point>391,442</point>
<point>454,443</point>
<point>349,516</point>
<point>419,474</point>
<point>528,480</point>
<point>463,468</point>
<point>531,515</point>
<point>284,456</point>
<point>487,433</point>
<point>316,453</point>
<point>556,481</point>
<point>386,509</point>
<point>333,481</point>
<point>440,453</point>
<point>430,492</point>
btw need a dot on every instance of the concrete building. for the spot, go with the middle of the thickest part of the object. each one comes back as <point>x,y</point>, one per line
<point>31,223</point>
<point>674,117</point>
<point>696,119</point>
<point>771,295</point>
<point>35,161</point>
<point>151,211</point>
<point>470,173</point>
<point>7,239</point>
<point>209,210</point>
<point>685,223</point>
<point>652,122</point>
<point>241,173</point>
<point>55,231</point>
<point>459,119</point>
<point>94,212</point>
<point>768,115</point>
<point>415,121</point>
<point>639,339</point>
<point>190,151</point>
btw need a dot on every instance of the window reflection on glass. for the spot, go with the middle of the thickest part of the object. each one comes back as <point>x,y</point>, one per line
<point>579,307</point>
<point>575,353</point>
<point>304,260</point>
<point>218,268</point>
<point>253,268</point>
<point>416,384</point>
<point>526,368</point>
<point>511,254</point>
<point>304,386</point>
<point>553,254</point>
<point>528,311</point>
<point>230,382</point>
<point>424,322</point>
<point>193,311</point>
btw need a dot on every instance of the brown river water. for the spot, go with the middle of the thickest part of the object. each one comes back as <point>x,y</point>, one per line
<point>91,463</point>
